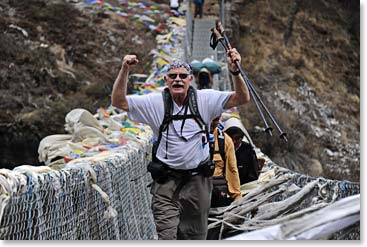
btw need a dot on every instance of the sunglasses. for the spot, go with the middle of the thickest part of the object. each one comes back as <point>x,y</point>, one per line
<point>174,76</point>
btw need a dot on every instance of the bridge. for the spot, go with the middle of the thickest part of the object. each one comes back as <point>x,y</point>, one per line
<point>101,192</point>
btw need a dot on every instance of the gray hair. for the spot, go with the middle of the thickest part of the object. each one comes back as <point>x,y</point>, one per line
<point>178,64</point>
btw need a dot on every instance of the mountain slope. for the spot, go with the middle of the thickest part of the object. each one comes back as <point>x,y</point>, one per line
<point>310,83</point>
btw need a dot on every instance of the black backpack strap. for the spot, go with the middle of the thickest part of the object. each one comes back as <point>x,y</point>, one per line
<point>168,110</point>
<point>194,108</point>
<point>193,104</point>
<point>221,151</point>
<point>168,107</point>
<point>220,131</point>
<point>221,144</point>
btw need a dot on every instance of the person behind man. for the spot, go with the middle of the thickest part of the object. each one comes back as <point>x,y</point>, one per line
<point>247,163</point>
<point>231,171</point>
<point>180,205</point>
<point>204,79</point>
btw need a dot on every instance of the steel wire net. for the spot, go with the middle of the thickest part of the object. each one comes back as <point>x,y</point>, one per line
<point>69,204</point>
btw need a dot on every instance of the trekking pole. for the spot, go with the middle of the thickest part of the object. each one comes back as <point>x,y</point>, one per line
<point>220,29</point>
<point>220,38</point>
<point>282,135</point>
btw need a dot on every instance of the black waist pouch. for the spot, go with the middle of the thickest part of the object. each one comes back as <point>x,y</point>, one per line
<point>158,171</point>
<point>207,168</point>
<point>220,195</point>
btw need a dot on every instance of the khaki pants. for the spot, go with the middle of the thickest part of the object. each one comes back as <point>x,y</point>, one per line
<point>181,210</point>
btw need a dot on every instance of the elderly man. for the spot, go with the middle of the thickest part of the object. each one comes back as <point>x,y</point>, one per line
<point>181,197</point>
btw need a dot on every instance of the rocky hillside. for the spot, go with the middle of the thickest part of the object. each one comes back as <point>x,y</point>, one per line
<point>56,56</point>
<point>302,57</point>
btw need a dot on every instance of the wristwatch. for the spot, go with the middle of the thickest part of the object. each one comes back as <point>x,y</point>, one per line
<point>235,72</point>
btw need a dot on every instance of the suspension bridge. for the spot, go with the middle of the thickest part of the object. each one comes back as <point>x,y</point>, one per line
<point>90,191</point>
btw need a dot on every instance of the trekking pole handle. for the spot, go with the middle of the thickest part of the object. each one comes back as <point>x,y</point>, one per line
<point>220,28</point>
<point>218,36</point>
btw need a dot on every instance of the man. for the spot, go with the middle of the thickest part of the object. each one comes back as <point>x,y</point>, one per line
<point>204,79</point>
<point>198,8</point>
<point>226,182</point>
<point>180,206</point>
<point>230,162</point>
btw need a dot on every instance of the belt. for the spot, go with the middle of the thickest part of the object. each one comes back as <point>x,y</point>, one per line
<point>192,172</point>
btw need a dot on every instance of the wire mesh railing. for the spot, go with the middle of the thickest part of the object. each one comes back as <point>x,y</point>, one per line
<point>108,197</point>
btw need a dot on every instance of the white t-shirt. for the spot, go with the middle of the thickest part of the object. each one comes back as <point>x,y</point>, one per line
<point>184,151</point>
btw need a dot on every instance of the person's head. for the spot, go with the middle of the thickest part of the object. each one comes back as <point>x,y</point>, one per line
<point>178,79</point>
<point>204,79</point>
<point>235,129</point>
<point>236,134</point>
<point>214,124</point>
